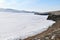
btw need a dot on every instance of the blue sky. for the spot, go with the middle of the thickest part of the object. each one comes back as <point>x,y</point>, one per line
<point>31,5</point>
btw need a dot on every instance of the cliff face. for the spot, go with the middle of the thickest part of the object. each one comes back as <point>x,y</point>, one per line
<point>53,17</point>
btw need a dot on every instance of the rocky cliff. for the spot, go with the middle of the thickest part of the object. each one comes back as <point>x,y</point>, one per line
<point>53,17</point>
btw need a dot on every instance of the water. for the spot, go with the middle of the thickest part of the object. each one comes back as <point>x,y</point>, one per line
<point>15,26</point>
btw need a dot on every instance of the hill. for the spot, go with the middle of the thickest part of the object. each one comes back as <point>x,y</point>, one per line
<point>16,11</point>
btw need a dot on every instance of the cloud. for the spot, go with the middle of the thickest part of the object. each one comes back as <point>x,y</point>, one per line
<point>2,3</point>
<point>30,5</point>
<point>16,4</point>
<point>22,4</point>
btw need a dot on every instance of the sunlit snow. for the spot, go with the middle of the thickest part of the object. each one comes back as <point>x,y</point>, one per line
<point>22,25</point>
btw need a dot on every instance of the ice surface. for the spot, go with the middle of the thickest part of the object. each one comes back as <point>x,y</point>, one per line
<point>22,25</point>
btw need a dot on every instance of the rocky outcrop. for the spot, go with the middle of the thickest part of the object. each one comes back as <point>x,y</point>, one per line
<point>53,17</point>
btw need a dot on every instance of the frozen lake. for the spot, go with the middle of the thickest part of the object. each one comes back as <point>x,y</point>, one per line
<point>22,25</point>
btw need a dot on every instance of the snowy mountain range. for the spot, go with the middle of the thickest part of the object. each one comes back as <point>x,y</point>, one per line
<point>15,11</point>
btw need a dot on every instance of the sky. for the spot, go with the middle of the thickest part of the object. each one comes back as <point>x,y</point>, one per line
<point>31,5</point>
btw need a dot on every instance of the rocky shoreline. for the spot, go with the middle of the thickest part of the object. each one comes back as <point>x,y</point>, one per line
<point>52,33</point>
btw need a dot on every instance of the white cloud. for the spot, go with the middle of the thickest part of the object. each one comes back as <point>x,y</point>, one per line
<point>24,5</point>
<point>30,5</point>
<point>1,3</point>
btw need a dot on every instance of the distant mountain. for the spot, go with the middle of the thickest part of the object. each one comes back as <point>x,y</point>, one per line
<point>50,13</point>
<point>16,11</point>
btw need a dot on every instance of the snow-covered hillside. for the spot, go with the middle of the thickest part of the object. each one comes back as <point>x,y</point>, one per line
<point>21,25</point>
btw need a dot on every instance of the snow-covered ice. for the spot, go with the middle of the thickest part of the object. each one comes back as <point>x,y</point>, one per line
<point>22,25</point>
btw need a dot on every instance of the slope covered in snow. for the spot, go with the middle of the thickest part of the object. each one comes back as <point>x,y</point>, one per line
<point>21,25</point>
<point>15,11</point>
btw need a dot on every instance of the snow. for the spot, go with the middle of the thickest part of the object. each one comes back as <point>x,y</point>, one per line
<point>22,25</point>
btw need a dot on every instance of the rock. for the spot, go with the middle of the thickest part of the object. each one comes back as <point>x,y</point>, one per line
<point>53,17</point>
